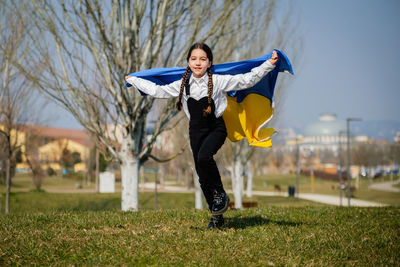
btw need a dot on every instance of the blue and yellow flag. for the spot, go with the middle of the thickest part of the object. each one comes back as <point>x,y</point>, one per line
<point>248,110</point>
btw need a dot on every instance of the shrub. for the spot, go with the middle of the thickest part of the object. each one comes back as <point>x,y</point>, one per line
<point>50,171</point>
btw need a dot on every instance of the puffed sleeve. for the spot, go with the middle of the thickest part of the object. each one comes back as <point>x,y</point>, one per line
<point>152,89</point>
<point>243,81</point>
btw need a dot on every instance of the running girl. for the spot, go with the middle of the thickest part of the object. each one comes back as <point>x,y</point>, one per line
<point>202,95</point>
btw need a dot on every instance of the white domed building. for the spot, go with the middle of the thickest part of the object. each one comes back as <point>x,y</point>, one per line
<point>324,134</point>
<point>320,144</point>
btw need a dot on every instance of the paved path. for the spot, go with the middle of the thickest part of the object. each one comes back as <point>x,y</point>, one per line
<point>326,199</point>
<point>386,186</point>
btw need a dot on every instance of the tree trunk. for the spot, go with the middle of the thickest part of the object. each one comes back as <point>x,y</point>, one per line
<point>8,185</point>
<point>130,183</point>
<point>97,169</point>
<point>370,176</point>
<point>237,183</point>
<point>249,191</point>
<point>197,192</point>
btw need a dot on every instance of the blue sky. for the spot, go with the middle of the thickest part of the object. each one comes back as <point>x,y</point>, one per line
<point>349,64</point>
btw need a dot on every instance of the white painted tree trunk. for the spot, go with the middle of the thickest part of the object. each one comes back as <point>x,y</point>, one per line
<point>236,171</point>
<point>129,177</point>
<point>249,191</point>
<point>130,184</point>
<point>197,192</point>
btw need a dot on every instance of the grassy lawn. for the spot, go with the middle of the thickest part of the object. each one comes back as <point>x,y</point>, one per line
<point>34,202</point>
<point>22,182</point>
<point>89,229</point>
<point>267,236</point>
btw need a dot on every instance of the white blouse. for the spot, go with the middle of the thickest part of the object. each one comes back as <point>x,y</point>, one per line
<point>199,87</point>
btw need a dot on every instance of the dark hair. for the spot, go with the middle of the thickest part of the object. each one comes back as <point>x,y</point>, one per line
<point>203,47</point>
<point>185,76</point>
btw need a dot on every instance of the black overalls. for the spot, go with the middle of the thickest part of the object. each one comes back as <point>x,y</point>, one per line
<point>207,135</point>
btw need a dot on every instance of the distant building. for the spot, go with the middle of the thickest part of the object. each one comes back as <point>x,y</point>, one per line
<point>50,142</point>
<point>321,142</point>
<point>54,140</point>
<point>324,134</point>
<point>397,137</point>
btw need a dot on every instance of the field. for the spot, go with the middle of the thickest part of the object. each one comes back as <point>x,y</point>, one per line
<point>274,236</point>
<point>23,183</point>
<point>88,229</point>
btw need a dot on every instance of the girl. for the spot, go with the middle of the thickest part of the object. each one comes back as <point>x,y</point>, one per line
<point>203,98</point>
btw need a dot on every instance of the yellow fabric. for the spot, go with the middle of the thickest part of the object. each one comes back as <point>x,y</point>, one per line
<point>245,119</point>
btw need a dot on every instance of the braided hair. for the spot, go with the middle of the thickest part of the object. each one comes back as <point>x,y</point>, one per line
<point>207,111</point>
<point>185,76</point>
<point>184,81</point>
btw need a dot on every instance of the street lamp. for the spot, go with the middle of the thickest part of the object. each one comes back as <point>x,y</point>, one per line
<point>297,167</point>
<point>348,120</point>
<point>340,166</point>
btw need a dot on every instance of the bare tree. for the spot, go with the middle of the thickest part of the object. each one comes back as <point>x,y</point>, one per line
<point>86,49</point>
<point>394,156</point>
<point>36,168</point>
<point>362,154</point>
<point>15,94</point>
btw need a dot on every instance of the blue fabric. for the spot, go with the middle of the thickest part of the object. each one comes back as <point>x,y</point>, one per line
<point>265,87</point>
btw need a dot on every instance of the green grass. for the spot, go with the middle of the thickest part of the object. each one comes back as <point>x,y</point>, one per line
<point>22,182</point>
<point>280,236</point>
<point>34,202</point>
<point>89,229</point>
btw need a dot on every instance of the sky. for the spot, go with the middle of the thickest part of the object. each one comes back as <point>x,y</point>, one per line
<point>349,64</point>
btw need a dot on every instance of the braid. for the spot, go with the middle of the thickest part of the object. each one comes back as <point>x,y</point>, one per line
<point>184,80</point>
<point>207,111</point>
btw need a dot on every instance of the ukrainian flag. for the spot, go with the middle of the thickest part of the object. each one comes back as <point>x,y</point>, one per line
<point>248,110</point>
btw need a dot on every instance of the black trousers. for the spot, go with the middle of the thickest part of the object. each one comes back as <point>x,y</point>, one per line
<point>206,138</point>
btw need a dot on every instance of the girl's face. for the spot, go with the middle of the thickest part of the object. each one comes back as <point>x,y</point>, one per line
<point>199,62</point>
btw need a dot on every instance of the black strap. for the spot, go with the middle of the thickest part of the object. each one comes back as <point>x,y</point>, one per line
<point>187,87</point>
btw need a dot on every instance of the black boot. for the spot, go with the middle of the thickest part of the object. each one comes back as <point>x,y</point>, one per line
<point>220,203</point>
<point>216,221</point>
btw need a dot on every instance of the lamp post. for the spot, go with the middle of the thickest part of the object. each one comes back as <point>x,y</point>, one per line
<point>340,167</point>
<point>348,120</point>
<point>297,167</point>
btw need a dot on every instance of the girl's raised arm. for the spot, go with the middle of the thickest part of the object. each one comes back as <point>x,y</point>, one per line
<point>246,80</point>
<point>152,89</point>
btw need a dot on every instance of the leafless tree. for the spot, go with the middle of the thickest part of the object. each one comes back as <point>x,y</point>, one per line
<point>394,155</point>
<point>85,49</point>
<point>362,154</point>
<point>33,161</point>
<point>15,93</point>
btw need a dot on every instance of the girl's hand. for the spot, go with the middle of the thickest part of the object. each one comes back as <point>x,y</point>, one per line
<point>127,77</point>
<point>274,58</point>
